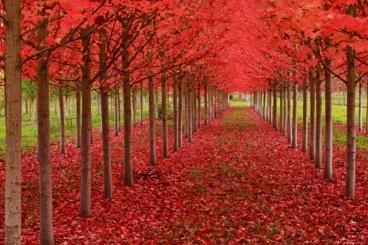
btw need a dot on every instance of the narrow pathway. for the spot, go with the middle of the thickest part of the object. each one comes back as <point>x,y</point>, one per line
<point>237,182</point>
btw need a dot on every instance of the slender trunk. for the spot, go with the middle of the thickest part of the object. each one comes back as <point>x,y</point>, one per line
<point>328,125</point>
<point>180,114</point>
<point>360,117</point>
<point>318,120</point>
<point>189,112</point>
<point>165,140</point>
<point>289,116</point>
<point>116,112</point>
<point>274,111</point>
<point>264,105</point>
<point>62,121</point>
<point>351,133</point>
<point>294,137</point>
<point>134,105</point>
<point>106,144</point>
<point>78,119</point>
<point>119,110</point>
<point>312,138</point>
<point>199,106</point>
<point>281,109</point>
<point>305,116</point>
<point>206,105</point>
<point>366,109</point>
<point>175,112</point>
<point>43,149</point>
<point>85,202</point>
<point>13,117</point>
<point>285,130</point>
<point>141,102</point>
<point>152,121</point>
<point>105,120</point>
<point>128,165</point>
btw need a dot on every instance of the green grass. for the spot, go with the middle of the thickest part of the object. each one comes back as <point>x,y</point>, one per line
<point>239,103</point>
<point>29,125</point>
<point>338,117</point>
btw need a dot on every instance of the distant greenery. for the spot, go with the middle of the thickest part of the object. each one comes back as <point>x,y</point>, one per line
<point>29,130</point>
<point>338,116</point>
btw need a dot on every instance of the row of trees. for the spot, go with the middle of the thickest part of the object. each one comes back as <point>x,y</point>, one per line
<point>112,47</point>
<point>314,45</point>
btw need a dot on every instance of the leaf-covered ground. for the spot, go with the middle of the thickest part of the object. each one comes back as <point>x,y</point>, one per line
<point>237,182</point>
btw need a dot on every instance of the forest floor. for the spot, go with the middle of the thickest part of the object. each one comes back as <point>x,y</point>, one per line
<point>237,182</point>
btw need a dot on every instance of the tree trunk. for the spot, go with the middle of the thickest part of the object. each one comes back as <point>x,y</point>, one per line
<point>141,102</point>
<point>106,144</point>
<point>281,109</point>
<point>78,118</point>
<point>318,119</point>
<point>165,140</point>
<point>294,137</point>
<point>62,121</point>
<point>199,106</point>
<point>116,110</point>
<point>328,125</point>
<point>13,112</point>
<point>366,109</point>
<point>312,138</point>
<point>274,111</point>
<point>360,117</point>
<point>175,112</point>
<point>180,114</point>
<point>85,203</point>
<point>189,112</point>
<point>305,116</point>
<point>289,118</point>
<point>206,105</point>
<point>43,149</point>
<point>119,110</point>
<point>134,105</point>
<point>152,121</point>
<point>351,133</point>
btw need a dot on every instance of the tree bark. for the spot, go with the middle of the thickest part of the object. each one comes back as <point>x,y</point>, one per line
<point>312,138</point>
<point>351,132</point>
<point>318,119</point>
<point>43,149</point>
<point>78,119</point>
<point>305,116</point>
<point>86,131</point>
<point>294,137</point>
<point>165,140</point>
<point>116,112</point>
<point>274,111</point>
<point>366,109</point>
<point>141,102</point>
<point>360,114</point>
<point>152,121</point>
<point>13,112</point>
<point>106,144</point>
<point>189,112</point>
<point>281,109</point>
<point>206,105</point>
<point>199,106</point>
<point>328,126</point>
<point>289,116</point>
<point>180,113</point>
<point>134,105</point>
<point>175,112</point>
<point>62,121</point>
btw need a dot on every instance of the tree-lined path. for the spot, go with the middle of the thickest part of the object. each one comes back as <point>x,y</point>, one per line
<point>118,121</point>
<point>238,181</point>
